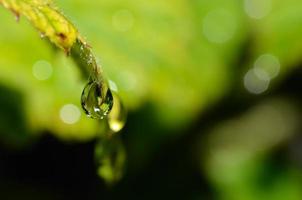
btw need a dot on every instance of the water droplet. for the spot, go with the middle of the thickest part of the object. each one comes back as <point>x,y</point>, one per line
<point>17,14</point>
<point>17,17</point>
<point>113,86</point>
<point>117,116</point>
<point>97,100</point>
<point>42,35</point>
<point>110,157</point>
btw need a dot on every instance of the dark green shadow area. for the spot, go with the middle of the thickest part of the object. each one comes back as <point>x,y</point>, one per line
<point>13,129</point>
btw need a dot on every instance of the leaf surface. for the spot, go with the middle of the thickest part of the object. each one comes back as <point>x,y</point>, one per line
<point>46,18</point>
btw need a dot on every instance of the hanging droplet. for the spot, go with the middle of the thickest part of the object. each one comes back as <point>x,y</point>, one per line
<point>117,116</point>
<point>97,100</point>
<point>110,157</point>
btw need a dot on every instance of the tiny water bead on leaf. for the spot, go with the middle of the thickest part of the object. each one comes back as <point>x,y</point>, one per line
<point>96,100</point>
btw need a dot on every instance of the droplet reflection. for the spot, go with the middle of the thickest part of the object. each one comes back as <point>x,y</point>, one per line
<point>113,86</point>
<point>110,156</point>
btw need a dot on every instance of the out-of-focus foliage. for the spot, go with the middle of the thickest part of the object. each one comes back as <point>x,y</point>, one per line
<point>235,152</point>
<point>170,60</point>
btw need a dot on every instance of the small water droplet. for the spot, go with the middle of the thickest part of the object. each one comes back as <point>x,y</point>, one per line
<point>117,116</point>
<point>42,70</point>
<point>97,100</point>
<point>110,158</point>
<point>42,35</point>
<point>17,14</point>
<point>17,17</point>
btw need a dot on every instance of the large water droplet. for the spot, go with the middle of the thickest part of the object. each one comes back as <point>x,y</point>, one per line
<point>117,116</point>
<point>97,100</point>
<point>110,157</point>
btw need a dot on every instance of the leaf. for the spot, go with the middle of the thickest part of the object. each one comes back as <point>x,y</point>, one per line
<point>47,19</point>
<point>51,23</point>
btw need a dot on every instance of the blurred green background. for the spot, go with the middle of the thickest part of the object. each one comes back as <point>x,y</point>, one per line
<point>213,90</point>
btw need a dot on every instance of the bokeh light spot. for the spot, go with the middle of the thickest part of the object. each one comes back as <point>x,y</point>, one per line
<point>261,74</point>
<point>70,114</point>
<point>219,26</point>
<point>257,9</point>
<point>113,86</point>
<point>254,84</point>
<point>42,70</point>
<point>267,66</point>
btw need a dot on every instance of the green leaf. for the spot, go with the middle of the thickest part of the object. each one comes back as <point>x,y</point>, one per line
<point>51,23</point>
<point>46,18</point>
